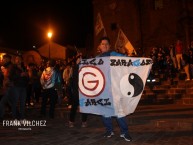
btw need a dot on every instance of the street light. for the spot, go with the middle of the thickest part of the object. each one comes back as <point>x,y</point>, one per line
<point>49,36</point>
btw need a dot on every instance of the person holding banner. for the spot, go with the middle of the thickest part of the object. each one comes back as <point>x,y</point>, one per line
<point>75,96</point>
<point>104,47</point>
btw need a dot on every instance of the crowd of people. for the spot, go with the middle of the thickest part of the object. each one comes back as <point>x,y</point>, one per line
<point>55,81</point>
<point>25,84</point>
<point>173,60</point>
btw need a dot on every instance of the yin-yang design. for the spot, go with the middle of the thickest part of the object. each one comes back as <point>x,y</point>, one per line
<point>131,85</point>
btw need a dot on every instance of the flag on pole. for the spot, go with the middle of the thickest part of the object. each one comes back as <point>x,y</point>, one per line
<point>99,25</point>
<point>123,44</point>
<point>104,33</point>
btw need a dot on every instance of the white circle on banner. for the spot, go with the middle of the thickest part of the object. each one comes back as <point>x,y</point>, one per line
<point>126,88</point>
<point>91,81</point>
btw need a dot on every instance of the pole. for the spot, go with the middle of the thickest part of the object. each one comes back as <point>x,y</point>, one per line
<point>49,36</point>
<point>49,50</point>
<point>140,25</point>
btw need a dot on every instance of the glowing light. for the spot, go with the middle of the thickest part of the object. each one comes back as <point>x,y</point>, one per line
<point>49,34</point>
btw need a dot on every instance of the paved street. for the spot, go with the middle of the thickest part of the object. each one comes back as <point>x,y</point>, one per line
<point>148,125</point>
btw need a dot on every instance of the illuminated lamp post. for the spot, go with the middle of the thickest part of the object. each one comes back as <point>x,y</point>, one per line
<point>49,36</point>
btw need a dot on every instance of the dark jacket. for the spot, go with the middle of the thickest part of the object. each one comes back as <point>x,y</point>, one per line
<point>20,76</point>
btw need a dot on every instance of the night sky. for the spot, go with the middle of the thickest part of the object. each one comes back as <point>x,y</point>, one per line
<point>26,24</point>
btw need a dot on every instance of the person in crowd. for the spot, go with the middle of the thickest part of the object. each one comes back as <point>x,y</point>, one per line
<point>48,81</point>
<point>161,58</point>
<point>1,83</point>
<point>29,99</point>
<point>15,82</point>
<point>154,56</point>
<point>170,69</point>
<point>20,84</point>
<point>186,65</point>
<point>8,90</point>
<point>67,73</point>
<point>75,95</point>
<point>36,83</point>
<point>179,52</point>
<point>173,55</point>
<point>59,83</point>
<point>191,46</point>
<point>34,86</point>
<point>105,49</point>
<point>190,55</point>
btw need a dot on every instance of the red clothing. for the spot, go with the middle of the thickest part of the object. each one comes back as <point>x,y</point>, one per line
<point>179,49</point>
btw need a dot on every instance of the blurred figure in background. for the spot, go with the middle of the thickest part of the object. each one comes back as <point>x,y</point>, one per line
<point>75,95</point>
<point>48,81</point>
<point>186,66</point>
<point>34,86</point>
<point>59,83</point>
<point>173,55</point>
<point>8,90</point>
<point>21,80</point>
<point>67,73</point>
<point>179,52</point>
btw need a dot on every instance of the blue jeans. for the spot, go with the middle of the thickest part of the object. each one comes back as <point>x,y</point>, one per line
<point>20,96</point>
<point>8,98</point>
<point>52,95</point>
<point>107,121</point>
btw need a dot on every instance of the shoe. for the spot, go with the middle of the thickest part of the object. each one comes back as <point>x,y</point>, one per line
<point>126,137</point>
<point>187,80</point>
<point>70,124</point>
<point>108,134</point>
<point>84,124</point>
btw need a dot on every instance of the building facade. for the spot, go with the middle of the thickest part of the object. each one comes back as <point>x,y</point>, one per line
<point>146,23</point>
